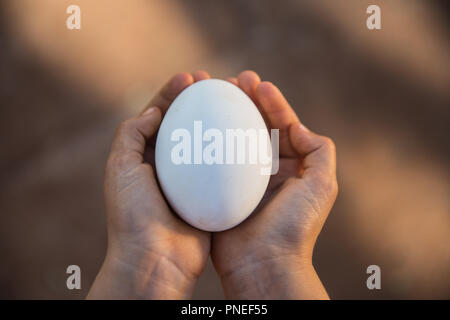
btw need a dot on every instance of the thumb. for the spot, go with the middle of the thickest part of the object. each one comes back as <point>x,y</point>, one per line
<point>131,136</point>
<point>318,152</point>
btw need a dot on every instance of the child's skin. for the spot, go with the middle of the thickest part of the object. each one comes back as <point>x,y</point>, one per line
<point>153,254</point>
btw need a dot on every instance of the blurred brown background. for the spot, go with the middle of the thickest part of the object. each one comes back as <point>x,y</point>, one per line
<point>383,96</point>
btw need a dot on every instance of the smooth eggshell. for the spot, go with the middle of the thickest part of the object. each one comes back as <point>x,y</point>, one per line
<point>211,197</point>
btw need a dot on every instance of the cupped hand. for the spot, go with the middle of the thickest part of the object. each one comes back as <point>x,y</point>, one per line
<point>151,252</point>
<point>269,255</point>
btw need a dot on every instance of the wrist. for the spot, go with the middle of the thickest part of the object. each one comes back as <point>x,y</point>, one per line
<point>126,274</point>
<point>277,277</point>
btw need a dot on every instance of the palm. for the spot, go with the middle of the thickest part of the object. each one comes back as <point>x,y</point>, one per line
<point>282,217</point>
<point>144,219</point>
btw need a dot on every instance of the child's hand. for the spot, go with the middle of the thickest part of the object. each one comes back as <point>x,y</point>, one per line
<point>151,252</point>
<point>269,255</point>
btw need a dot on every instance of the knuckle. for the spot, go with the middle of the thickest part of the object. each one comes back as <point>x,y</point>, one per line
<point>126,125</point>
<point>329,143</point>
<point>128,130</point>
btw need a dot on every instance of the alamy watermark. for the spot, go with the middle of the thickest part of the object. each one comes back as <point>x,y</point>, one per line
<point>234,146</point>
<point>374,280</point>
<point>74,280</point>
<point>373,22</point>
<point>73,21</point>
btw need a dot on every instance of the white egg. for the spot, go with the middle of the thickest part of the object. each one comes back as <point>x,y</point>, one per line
<point>208,176</point>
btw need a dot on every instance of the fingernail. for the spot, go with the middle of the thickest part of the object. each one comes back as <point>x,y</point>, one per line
<point>149,111</point>
<point>302,127</point>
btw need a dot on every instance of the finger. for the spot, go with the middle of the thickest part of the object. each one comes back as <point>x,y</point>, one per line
<point>170,91</point>
<point>318,152</point>
<point>248,81</point>
<point>129,142</point>
<point>233,80</point>
<point>278,113</point>
<point>200,75</point>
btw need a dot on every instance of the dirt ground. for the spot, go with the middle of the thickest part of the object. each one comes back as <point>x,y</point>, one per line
<point>383,96</point>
